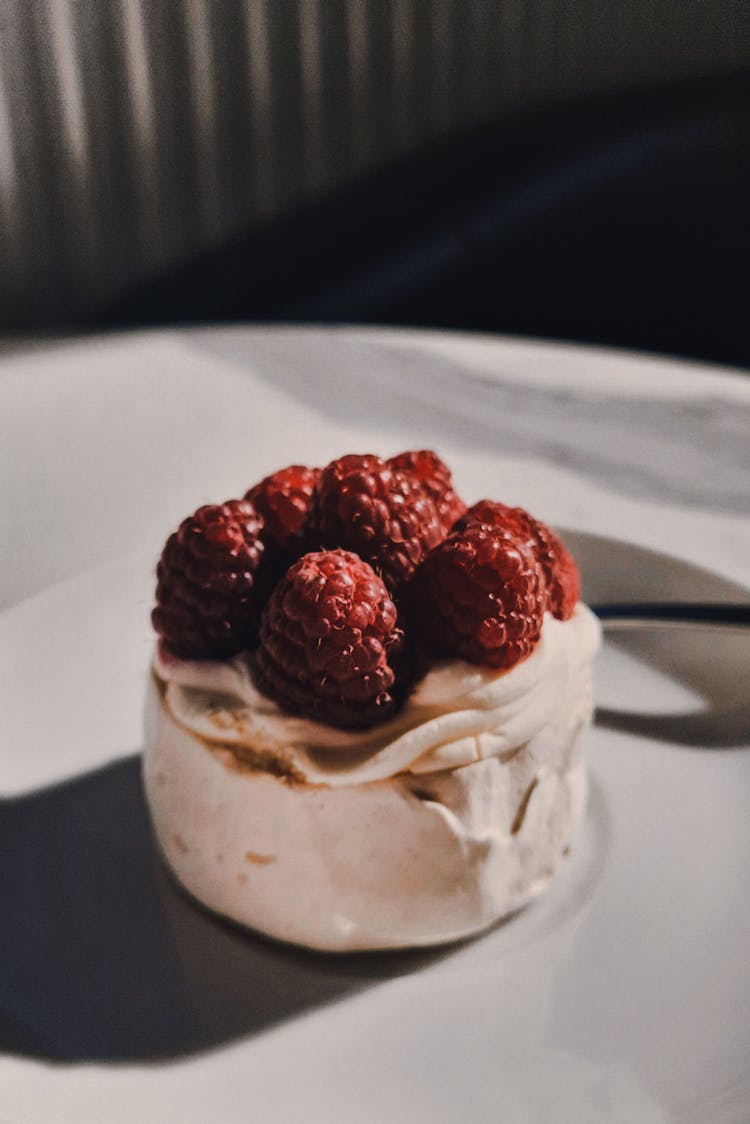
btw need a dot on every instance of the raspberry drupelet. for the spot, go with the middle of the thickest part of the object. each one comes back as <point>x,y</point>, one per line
<point>330,644</point>
<point>207,598</point>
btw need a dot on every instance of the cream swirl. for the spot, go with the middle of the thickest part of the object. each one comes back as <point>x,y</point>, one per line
<point>456,714</point>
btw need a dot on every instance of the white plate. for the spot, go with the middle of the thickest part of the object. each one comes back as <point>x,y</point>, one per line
<point>622,995</point>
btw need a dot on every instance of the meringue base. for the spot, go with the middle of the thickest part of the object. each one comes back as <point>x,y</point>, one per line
<point>404,862</point>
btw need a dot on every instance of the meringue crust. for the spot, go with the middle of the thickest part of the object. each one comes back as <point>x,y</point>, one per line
<point>355,857</point>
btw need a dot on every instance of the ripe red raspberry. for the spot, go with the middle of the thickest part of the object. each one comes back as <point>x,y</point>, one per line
<point>282,500</point>
<point>560,571</point>
<point>207,601</point>
<point>384,514</point>
<point>481,596</point>
<point>329,642</point>
<point>436,477</point>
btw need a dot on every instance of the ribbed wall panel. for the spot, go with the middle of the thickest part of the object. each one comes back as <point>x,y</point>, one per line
<point>135,132</point>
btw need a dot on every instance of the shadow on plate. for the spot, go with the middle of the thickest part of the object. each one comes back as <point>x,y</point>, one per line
<point>712,729</point>
<point>106,959</point>
<point>714,666</point>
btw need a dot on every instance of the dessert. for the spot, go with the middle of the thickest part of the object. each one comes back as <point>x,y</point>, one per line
<point>364,724</point>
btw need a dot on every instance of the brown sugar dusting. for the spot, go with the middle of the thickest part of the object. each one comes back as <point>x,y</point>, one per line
<point>245,759</point>
<point>161,686</point>
<point>224,719</point>
<point>261,860</point>
<point>238,757</point>
<point>521,811</point>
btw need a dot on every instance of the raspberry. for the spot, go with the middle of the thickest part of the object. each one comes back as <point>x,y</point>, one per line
<point>481,596</point>
<point>207,600</point>
<point>564,583</point>
<point>560,571</point>
<point>384,514</point>
<point>283,499</point>
<point>329,642</point>
<point>436,477</point>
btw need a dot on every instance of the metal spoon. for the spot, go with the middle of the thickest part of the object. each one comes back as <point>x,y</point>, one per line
<point>674,614</point>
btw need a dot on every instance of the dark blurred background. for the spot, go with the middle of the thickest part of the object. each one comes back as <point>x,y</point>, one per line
<point>576,170</point>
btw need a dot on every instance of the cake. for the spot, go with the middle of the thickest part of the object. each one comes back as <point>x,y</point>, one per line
<point>367,707</point>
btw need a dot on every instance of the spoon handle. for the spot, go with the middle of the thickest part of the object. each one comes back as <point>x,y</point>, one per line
<point>673,614</point>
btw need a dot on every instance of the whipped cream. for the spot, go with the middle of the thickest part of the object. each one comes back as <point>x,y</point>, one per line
<point>457,714</point>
